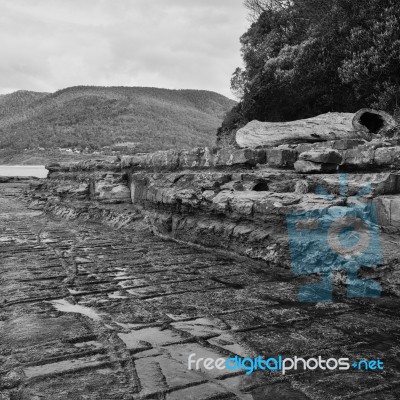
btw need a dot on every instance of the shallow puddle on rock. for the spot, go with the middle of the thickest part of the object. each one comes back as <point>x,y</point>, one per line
<point>227,342</point>
<point>205,327</point>
<point>201,327</point>
<point>154,336</point>
<point>178,317</point>
<point>181,353</point>
<point>97,345</point>
<point>64,306</point>
<point>130,282</point>
<point>116,295</point>
<point>129,326</point>
<point>61,366</point>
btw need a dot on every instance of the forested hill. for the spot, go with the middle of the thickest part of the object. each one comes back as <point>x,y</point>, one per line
<point>95,117</point>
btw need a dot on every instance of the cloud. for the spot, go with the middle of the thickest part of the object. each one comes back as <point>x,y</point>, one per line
<point>51,44</point>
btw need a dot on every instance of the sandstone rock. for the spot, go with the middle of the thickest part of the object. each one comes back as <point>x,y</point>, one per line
<point>369,184</point>
<point>347,144</point>
<point>111,188</point>
<point>171,160</point>
<point>58,167</point>
<point>281,157</point>
<point>388,156</point>
<point>373,121</point>
<point>138,185</point>
<point>331,126</point>
<point>136,160</point>
<point>112,194</point>
<point>233,185</point>
<point>306,167</point>
<point>303,147</point>
<point>388,208</point>
<point>81,192</point>
<point>164,159</point>
<point>302,187</point>
<point>108,164</point>
<point>395,212</point>
<point>365,124</point>
<point>208,195</point>
<point>208,157</point>
<point>360,157</point>
<point>324,156</point>
<point>191,158</point>
<point>232,156</point>
<point>383,207</point>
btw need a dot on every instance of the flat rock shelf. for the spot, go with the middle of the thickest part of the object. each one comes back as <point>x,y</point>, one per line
<point>89,312</point>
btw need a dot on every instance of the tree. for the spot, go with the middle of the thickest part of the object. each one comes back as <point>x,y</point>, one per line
<point>372,62</point>
<point>257,7</point>
<point>306,57</point>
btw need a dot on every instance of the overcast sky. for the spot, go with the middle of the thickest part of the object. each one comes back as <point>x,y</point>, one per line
<point>48,45</point>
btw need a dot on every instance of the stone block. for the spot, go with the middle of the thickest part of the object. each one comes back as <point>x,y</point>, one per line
<point>395,212</point>
<point>138,186</point>
<point>307,167</point>
<point>281,157</point>
<point>232,156</point>
<point>207,157</point>
<point>346,144</point>
<point>388,157</point>
<point>111,188</point>
<point>191,158</point>
<point>388,208</point>
<point>359,157</point>
<point>324,156</point>
<point>112,193</point>
<point>382,204</point>
<point>136,160</point>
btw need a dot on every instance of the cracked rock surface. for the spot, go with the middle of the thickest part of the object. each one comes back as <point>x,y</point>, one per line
<point>92,312</point>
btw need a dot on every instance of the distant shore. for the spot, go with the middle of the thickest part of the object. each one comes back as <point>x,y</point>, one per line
<point>35,157</point>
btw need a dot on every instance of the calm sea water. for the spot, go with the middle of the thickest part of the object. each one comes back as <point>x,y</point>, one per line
<point>23,170</point>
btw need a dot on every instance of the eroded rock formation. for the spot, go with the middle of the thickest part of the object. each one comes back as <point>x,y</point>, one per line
<point>236,199</point>
<point>365,124</point>
<point>275,205</point>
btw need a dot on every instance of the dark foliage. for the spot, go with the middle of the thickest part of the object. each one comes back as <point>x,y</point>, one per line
<point>307,57</point>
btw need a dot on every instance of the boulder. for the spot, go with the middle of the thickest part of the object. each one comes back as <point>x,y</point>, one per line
<point>365,124</point>
<point>331,126</point>
<point>373,121</point>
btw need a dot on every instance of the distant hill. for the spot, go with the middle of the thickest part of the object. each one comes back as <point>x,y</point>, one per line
<point>95,117</point>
